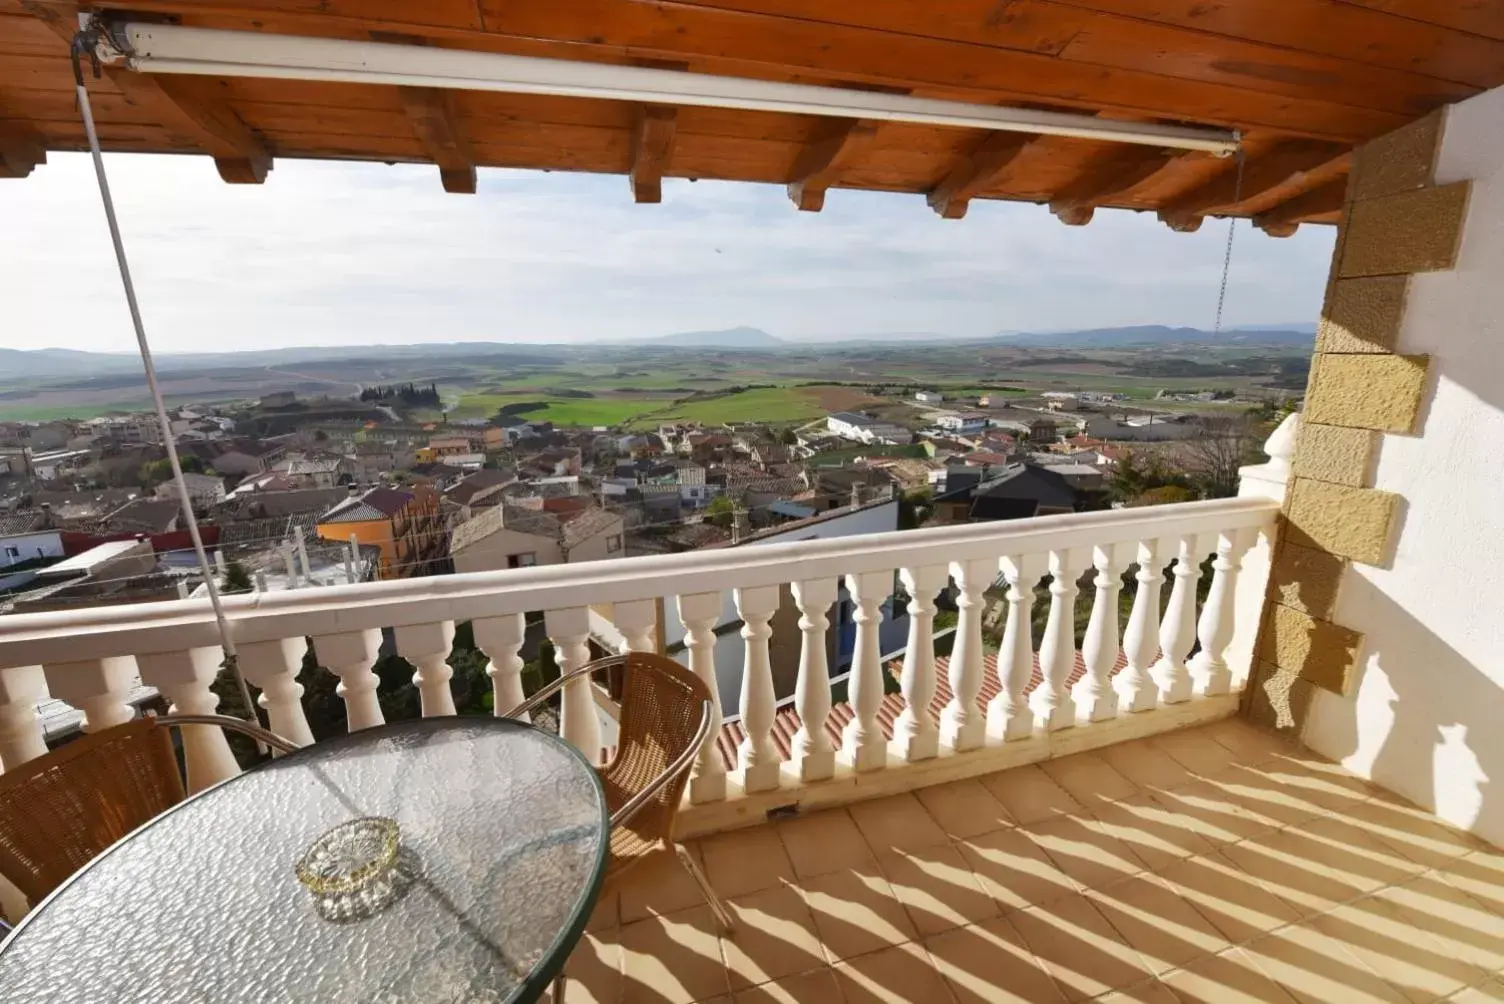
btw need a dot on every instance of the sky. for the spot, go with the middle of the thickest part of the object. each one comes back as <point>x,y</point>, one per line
<point>361,254</point>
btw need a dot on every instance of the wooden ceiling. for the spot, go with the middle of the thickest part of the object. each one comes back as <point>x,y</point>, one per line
<point>1304,80</point>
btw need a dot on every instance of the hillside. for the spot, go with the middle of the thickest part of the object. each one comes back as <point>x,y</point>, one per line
<point>1158,334</point>
<point>726,338</point>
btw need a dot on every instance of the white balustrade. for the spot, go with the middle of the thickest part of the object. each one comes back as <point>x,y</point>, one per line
<point>184,677</point>
<point>427,647</point>
<point>1209,669</point>
<point>350,655</point>
<point>915,734</point>
<point>757,757</point>
<point>962,726</point>
<point>1177,632</point>
<point>500,638</point>
<point>1008,715</point>
<point>1051,702</point>
<point>569,630</point>
<point>22,688</point>
<point>273,666</point>
<point>637,620</point>
<point>1134,686</point>
<point>814,757</point>
<point>862,741</point>
<point>1095,699</point>
<point>699,612</point>
<point>97,687</point>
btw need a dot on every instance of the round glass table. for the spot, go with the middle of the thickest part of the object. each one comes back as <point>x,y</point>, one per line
<point>502,844</point>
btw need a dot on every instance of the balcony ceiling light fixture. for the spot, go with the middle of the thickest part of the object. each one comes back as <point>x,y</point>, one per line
<point>159,48</point>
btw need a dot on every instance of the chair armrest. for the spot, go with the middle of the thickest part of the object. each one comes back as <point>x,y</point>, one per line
<point>549,690</point>
<point>679,766</point>
<point>245,728</point>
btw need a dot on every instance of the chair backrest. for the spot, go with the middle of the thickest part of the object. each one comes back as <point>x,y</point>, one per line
<point>662,709</point>
<point>59,811</point>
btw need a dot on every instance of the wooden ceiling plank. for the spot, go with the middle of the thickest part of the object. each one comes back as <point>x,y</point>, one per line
<point>653,131</point>
<point>833,146</point>
<point>1320,201</point>
<point>1106,176</point>
<point>21,150</point>
<point>1480,17</point>
<point>981,168</point>
<point>431,112</point>
<point>1285,164</point>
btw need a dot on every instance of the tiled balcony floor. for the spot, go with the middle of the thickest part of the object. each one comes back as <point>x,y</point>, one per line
<point>1214,864</point>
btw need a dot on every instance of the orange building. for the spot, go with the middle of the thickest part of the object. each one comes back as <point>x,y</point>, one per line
<point>403,522</point>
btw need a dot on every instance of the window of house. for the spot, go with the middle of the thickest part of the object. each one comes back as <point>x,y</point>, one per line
<point>527,559</point>
<point>613,543</point>
<point>12,552</point>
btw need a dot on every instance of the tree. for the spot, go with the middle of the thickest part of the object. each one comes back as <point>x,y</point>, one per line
<point>788,437</point>
<point>1213,458</point>
<point>237,580</point>
<point>720,512</point>
<point>1163,495</point>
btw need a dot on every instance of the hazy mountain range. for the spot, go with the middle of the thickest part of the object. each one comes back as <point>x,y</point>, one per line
<point>59,363</point>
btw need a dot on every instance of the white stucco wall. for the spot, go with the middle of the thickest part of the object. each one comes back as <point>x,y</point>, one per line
<point>1426,715</point>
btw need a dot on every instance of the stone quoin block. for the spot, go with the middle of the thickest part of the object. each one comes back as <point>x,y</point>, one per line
<point>1354,523</point>
<point>1367,391</point>
<point>1399,161</point>
<point>1399,234</point>
<point>1306,580</point>
<point>1363,315</point>
<point>1319,652</point>
<point>1335,453</point>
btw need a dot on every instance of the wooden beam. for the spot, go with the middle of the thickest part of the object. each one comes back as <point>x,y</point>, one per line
<point>431,112</point>
<point>20,151</point>
<point>831,148</point>
<point>652,147</point>
<point>974,173</point>
<point>1283,219</point>
<point>194,105</point>
<point>1286,164</point>
<point>1111,174</point>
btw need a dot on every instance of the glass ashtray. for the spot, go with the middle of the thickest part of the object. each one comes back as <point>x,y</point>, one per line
<point>352,870</point>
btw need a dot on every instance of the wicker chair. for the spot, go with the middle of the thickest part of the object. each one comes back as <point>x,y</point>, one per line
<point>59,811</point>
<point>665,720</point>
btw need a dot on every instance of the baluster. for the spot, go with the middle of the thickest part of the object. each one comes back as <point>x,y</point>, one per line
<point>569,630</point>
<point>350,655</point>
<point>961,725</point>
<point>1051,700</point>
<point>637,620</point>
<point>1095,699</point>
<point>915,734</point>
<point>427,647</point>
<point>1008,715</point>
<point>273,666</point>
<point>500,638</point>
<point>757,756</point>
<point>862,741</point>
<point>1177,632</point>
<point>97,687</point>
<point>21,689</point>
<point>184,678</point>
<point>813,756</point>
<point>699,613</point>
<point>1209,669</point>
<point>1132,683</point>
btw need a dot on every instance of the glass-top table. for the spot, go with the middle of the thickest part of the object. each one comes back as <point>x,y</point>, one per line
<point>503,846</point>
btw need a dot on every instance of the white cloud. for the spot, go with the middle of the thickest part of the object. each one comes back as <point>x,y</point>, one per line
<point>329,254</point>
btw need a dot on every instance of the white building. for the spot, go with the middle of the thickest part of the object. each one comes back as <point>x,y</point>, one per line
<point>929,397</point>
<point>965,422</point>
<point>203,489</point>
<point>866,429</point>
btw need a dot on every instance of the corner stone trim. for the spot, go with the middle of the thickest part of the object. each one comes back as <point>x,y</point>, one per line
<point>1354,523</point>
<point>1363,315</point>
<point>1319,652</point>
<point>1368,391</point>
<point>1333,453</point>
<point>1399,234</point>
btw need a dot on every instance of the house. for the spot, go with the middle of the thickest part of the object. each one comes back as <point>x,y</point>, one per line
<point>443,446</point>
<point>929,397</point>
<point>204,489</point>
<point>839,487</point>
<point>321,470</point>
<point>964,423</point>
<point>145,516</point>
<point>28,535</point>
<point>278,399</point>
<point>1142,429</point>
<point>556,462</point>
<point>1017,491</point>
<point>478,491</point>
<point>236,456</point>
<point>510,536</point>
<point>865,428</point>
<point>404,523</point>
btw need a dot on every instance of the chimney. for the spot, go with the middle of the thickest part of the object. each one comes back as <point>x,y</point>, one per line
<point>738,523</point>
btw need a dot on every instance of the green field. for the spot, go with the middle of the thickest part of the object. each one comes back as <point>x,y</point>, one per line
<point>765,404</point>
<point>586,411</point>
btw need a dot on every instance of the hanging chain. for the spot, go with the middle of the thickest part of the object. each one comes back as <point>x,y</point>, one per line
<point>1232,223</point>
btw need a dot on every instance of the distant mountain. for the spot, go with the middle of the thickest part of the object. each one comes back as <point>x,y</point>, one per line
<point>726,338</point>
<point>1158,334</point>
<point>63,362</point>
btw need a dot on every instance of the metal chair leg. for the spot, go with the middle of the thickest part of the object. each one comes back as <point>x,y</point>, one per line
<point>722,915</point>
<point>558,994</point>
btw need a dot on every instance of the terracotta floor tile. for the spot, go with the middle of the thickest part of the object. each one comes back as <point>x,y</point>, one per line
<point>1413,833</point>
<point>1164,929</point>
<point>1206,808</point>
<point>744,861</point>
<point>1086,852</point>
<point>1326,786</point>
<point>1089,779</point>
<point>1248,743</point>
<point>673,959</point>
<point>657,886</point>
<point>1264,797</point>
<point>1079,948</point>
<point>818,987</point>
<point>1148,992</point>
<point>1197,752</point>
<point>1314,969</point>
<point>896,823</point>
<point>1282,862</point>
<point>1396,951</point>
<point>1237,905</point>
<point>1146,765</point>
<point>1480,875</point>
<point>607,912</point>
<point>855,912</point>
<point>1015,870</point>
<point>1487,992</point>
<point>903,974</point>
<point>1369,864</point>
<point>988,963</point>
<point>1029,795</point>
<point>1458,924</point>
<point>937,888</point>
<point>594,971</point>
<point>774,937</point>
<point>1157,834</point>
<point>1228,978</point>
<point>964,808</point>
<point>823,842</point>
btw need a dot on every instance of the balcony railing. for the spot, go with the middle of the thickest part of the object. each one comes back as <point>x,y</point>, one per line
<point>1153,673</point>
